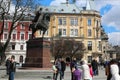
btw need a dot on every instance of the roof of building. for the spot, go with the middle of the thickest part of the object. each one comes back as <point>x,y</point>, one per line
<point>67,8</point>
<point>90,5</point>
<point>63,8</point>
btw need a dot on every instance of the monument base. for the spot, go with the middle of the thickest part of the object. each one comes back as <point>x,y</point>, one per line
<point>38,53</point>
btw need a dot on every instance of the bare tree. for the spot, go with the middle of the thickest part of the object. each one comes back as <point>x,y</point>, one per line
<point>67,46</point>
<point>14,10</point>
<point>74,48</point>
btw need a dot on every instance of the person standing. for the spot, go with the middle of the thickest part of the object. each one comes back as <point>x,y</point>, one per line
<point>85,70</point>
<point>12,68</point>
<point>76,73</point>
<point>72,64</point>
<point>91,71</point>
<point>58,66</point>
<point>54,71</point>
<point>63,67</point>
<point>114,70</point>
<point>107,70</point>
<point>7,64</point>
<point>95,67</point>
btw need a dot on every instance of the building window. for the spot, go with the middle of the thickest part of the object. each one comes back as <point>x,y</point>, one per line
<point>62,9</point>
<point>22,26</point>
<point>14,36</point>
<point>89,59</point>
<point>22,36</point>
<point>71,32</point>
<point>13,46</point>
<point>97,23</point>
<point>5,36</point>
<point>89,22</point>
<point>73,21</point>
<point>29,36</point>
<point>21,47</point>
<point>46,33</point>
<point>103,47</point>
<point>21,59</point>
<point>89,32</point>
<point>6,25</point>
<point>90,45</point>
<point>74,10</point>
<point>41,32</point>
<point>111,55</point>
<point>46,9</point>
<point>61,21</point>
<point>64,31</point>
<point>60,31</point>
<point>76,32</point>
<point>100,46</point>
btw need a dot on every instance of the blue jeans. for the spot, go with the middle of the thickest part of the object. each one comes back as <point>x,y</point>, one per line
<point>95,72</point>
<point>59,72</point>
<point>11,75</point>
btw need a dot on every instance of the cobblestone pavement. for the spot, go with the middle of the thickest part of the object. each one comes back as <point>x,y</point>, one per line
<point>46,74</point>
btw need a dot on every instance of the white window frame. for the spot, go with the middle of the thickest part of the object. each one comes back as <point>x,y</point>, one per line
<point>71,32</point>
<point>76,32</point>
<point>15,36</point>
<point>22,26</point>
<point>21,35</point>
<point>29,33</point>
<point>60,31</point>
<point>4,36</point>
<point>89,23</point>
<point>89,32</point>
<point>64,32</point>
<point>46,33</point>
<point>61,20</point>
<point>73,21</point>
<point>6,25</point>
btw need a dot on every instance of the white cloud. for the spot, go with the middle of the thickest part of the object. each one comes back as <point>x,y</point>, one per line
<point>112,17</point>
<point>114,38</point>
<point>12,8</point>
<point>101,3</point>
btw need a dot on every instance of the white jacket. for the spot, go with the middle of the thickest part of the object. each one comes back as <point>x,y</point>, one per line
<point>115,72</point>
<point>86,71</point>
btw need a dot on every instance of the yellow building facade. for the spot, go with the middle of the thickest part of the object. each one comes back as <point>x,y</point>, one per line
<point>78,23</point>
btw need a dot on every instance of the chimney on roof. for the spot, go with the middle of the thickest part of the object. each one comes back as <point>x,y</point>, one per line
<point>74,1</point>
<point>66,1</point>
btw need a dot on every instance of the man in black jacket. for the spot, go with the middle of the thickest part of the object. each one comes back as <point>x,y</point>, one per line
<point>12,68</point>
<point>63,67</point>
<point>7,64</point>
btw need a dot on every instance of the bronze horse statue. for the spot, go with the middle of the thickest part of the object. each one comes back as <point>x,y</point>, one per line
<point>40,22</point>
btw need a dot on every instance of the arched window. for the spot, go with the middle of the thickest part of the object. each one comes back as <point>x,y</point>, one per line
<point>21,58</point>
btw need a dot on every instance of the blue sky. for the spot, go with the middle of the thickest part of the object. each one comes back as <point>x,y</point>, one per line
<point>44,2</point>
<point>110,12</point>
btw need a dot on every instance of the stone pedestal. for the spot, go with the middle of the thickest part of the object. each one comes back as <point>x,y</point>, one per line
<point>38,53</point>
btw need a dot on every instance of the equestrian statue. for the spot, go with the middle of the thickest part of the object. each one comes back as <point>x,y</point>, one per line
<point>40,22</point>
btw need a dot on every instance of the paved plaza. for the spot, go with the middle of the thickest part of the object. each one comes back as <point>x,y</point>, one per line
<point>43,74</point>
